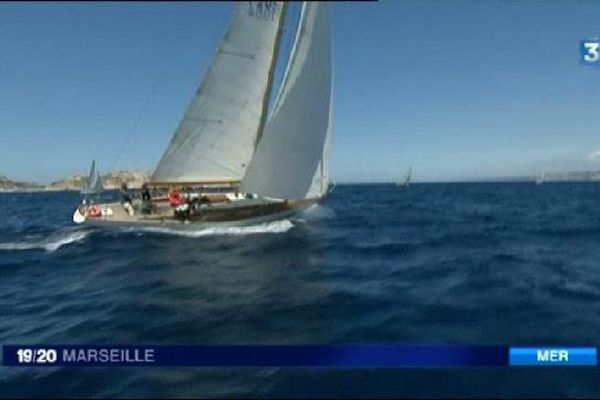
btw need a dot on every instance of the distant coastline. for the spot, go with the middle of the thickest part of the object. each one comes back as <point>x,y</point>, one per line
<point>111,180</point>
<point>135,178</point>
<point>549,177</point>
<point>569,176</point>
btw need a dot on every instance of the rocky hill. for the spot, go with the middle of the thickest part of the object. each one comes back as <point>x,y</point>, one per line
<point>573,176</point>
<point>71,183</point>
<point>110,180</point>
<point>134,179</point>
<point>9,185</point>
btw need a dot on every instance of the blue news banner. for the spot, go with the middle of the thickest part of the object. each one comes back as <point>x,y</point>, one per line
<point>295,356</point>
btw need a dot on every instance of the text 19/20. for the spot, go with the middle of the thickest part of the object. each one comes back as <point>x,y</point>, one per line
<point>36,356</point>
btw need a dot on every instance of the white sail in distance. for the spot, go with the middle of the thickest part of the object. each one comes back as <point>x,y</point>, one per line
<point>93,183</point>
<point>92,177</point>
<point>217,135</point>
<point>541,177</point>
<point>96,184</point>
<point>291,159</point>
<point>407,176</point>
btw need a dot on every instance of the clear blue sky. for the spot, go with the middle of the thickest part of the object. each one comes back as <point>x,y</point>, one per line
<point>459,89</point>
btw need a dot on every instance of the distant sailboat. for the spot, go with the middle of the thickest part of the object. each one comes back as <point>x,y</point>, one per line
<point>406,181</point>
<point>93,184</point>
<point>231,163</point>
<point>540,179</point>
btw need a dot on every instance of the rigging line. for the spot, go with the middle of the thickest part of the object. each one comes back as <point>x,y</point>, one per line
<point>134,132</point>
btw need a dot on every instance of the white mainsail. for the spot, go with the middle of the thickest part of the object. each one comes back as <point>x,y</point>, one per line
<point>218,133</point>
<point>291,159</point>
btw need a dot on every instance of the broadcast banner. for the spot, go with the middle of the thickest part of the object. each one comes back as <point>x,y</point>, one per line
<point>295,356</point>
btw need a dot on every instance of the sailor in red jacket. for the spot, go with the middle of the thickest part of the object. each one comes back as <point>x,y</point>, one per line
<point>175,198</point>
<point>179,202</point>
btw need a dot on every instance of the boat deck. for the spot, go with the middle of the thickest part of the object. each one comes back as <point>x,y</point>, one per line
<point>237,212</point>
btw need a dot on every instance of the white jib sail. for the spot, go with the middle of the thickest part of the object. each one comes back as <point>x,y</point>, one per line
<point>217,135</point>
<point>291,159</point>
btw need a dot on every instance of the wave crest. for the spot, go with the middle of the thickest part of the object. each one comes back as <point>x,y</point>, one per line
<point>317,211</point>
<point>50,244</point>
<point>281,226</point>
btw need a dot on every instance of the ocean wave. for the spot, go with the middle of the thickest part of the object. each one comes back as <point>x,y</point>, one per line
<point>280,226</point>
<point>50,244</point>
<point>317,211</point>
<point>567,231</point>
<point>388,248</point>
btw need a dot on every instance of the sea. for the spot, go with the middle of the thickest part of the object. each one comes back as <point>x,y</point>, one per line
<point>447,263</point>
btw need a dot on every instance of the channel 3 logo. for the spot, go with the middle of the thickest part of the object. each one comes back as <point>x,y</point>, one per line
<point>589,52</point>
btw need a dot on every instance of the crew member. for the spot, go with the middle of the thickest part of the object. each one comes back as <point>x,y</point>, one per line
<point>175,198</point>
<point>126,198</point>
<point>146,199</point>
<point>178,201</point>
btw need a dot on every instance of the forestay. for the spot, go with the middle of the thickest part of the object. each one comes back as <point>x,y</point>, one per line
<point>217,135</point>
<point>291,159</point>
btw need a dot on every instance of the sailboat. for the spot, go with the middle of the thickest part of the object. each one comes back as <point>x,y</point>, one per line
<point>93,184</point>
<point>540,179</point>
<point>406,181</point>
<point>233,163</point>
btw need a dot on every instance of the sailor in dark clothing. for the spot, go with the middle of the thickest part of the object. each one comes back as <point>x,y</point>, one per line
<point>124,193</point>
<point>126,198</point>
<point>146,199</point>
<point>146,192</point>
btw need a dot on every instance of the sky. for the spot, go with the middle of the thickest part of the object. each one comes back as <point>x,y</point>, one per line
<point>461,90</point>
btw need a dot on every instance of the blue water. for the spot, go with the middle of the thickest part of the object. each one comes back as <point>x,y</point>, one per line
<point>488,263</point>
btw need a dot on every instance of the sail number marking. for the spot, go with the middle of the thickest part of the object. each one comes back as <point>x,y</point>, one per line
<point>263,10</point>
<point>589,52</point>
